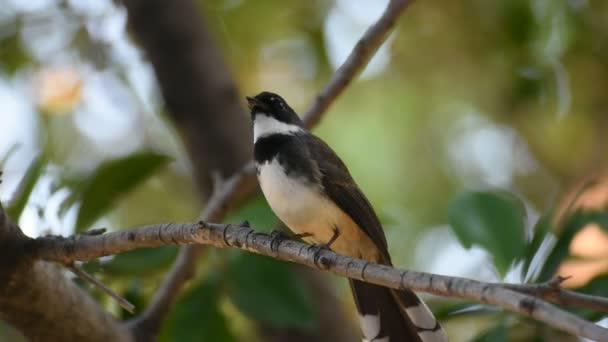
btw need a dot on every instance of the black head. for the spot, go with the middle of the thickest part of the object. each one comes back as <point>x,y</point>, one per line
<point>273,105</point>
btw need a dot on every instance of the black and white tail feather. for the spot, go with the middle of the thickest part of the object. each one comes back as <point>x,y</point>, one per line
<point>311,191</point>
<point>394,315</point>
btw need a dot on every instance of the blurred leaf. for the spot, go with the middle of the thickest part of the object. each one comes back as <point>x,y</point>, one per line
<point>519,21</point>
<point>596,287</point>
<point>12,54</point>
<point>270,291</point>
<point>541,229</point>
<point>529,85</point>
<point>492,219</point>
<point>92,266</point>
<point>599,217</point>
<point>568,228</point>
<point>24,190</point>
<point>112,180</point>
<point>196,316</point>
<point>141,261</point>
<point>498,333</point>
<point>257,212</point>
<point>133,294</point>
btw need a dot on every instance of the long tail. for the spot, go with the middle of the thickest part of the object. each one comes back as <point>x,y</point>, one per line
<point>395,316</point>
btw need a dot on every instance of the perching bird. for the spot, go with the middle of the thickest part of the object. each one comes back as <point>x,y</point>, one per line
<point>310,189</point>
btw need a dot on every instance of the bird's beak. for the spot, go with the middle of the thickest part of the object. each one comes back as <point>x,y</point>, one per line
<point>251,101</point>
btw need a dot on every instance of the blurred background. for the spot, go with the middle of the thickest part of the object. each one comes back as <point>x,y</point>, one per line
<point>474,113</point>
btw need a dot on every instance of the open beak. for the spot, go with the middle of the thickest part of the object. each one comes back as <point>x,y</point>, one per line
<point>252,102</point>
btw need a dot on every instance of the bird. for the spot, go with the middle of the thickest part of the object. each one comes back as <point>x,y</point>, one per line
<point>310,189</point>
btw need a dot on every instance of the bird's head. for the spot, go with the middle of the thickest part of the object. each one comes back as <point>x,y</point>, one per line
<point>272,115</point>
<point>273,106</point>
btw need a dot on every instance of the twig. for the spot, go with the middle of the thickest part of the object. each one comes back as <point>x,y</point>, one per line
<point>361,54</point>
<point>125,304</point>
<point>243,237</point>
<point>553,292</point>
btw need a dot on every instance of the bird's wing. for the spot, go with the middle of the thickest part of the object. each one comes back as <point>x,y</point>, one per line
<point>342,189</point>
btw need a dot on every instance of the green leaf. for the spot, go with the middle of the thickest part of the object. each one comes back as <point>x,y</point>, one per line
<point>111,180</point>
<point>141,261</point>
<point>493,220</point>
<point>270,291</point>
<point>568,228</point>
<point>197,317</point>
<point>134,293</point>
<point>12,54</point>
<point>24,190</point>
<point>498,333</point>
<point>596,287</point>
<point>519,22</point>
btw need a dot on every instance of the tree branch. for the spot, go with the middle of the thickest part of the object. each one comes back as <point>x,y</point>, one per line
<point>227,235</point>
<point>361,54</point>
<point>38,300</point>
<point>553,292</point>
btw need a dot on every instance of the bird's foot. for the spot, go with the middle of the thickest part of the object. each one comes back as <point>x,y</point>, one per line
<point>318,248</point>
<point>279,236</point>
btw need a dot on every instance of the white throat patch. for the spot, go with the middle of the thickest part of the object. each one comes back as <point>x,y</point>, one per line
<point>264,125</point>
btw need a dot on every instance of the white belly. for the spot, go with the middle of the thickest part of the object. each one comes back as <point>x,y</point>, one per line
<point>303,208</point>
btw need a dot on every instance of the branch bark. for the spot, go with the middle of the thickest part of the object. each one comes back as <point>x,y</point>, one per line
<point>227,235</point>
<point>38,300</point>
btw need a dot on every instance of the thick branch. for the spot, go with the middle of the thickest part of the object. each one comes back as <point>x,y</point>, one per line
<point>37,298</point>
<point>220,235</point>
<point>198,90</point>
<point>361,54</point>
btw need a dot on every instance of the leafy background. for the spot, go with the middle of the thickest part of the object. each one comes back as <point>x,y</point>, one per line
<point>478,133</point>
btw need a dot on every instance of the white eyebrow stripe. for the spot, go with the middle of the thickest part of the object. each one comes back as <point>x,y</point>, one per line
<point>264,125</point>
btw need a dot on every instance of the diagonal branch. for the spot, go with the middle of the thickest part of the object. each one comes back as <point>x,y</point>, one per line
<point>361,54</point>
<point>243,237</point>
